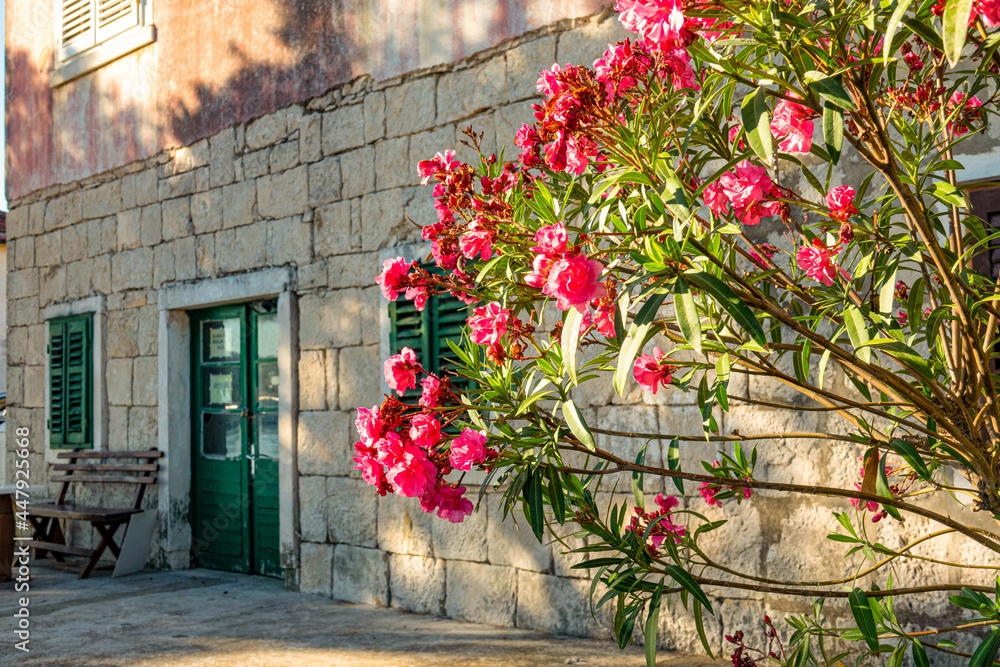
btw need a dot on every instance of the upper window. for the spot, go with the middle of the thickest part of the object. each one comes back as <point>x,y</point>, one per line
<point>92,33</point>
<point>70,381</point>
<point>986,206</point>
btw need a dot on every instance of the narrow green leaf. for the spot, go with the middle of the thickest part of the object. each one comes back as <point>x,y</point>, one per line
<point>557,499</point>
<point>919,654</point>
<point>578,425</point>
<point>885,294</point>
<point>890,29</point>
<point>674,462</point>
<point>728,301</point>
<point>652,619</point>
<point>986,651</point>
<point>830,89</point>
<point>912,457</point>
<point>635,339</point>
<point>948,193</point>
<point>723,367</point>
<point>833,131</point>
<point>863,616</point>
<point>699,624</point>
<point>955,27</point>
<point>857,330</point>
<point>675,197</point>
<point>687,314</point>
<point>533,497</point>
<point>640,500</point>
<point>679,575</point>
<point>757,124</point>
<point>882,488</point>
<point>570,340</point>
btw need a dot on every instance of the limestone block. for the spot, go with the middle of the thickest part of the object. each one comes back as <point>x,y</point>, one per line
<point>524,62</point>
<point>36,218</point>
<point>374,116</point>
<point>34,386</point>
<point>22,283</point>
<point>556,605</point>
<point>284,156</point>
<point>331,319</point>
<point>151,225</point>
<point>191,157</point>
<point>814,556</point>
<point>123,333</point>
<point>586,44</point>
<point>145,383</point>
<point>128,231</point>
<point>222,149</point>
<point>17,345</point>
<point>94,242</point>
<point>15,391</point>
<point>100,278</point>
<point>128,191</point>
<point>408,106</point>
<point>333,229</point>
<point>63,211</point>
<point>312,508</point>
<point>74,245</point>
<point>563,557</point>
<point>17,221</point>
<point>23,311</point>
<point>481,593</point>
<point>357,169</point>
<point>179,185</point>
<point>794,460</point>
<point>146,190</point>
<point>250,247</point>
<point>417,583</point>
<point>343,129</point>
<point>360,377</point>
<point>383,222</point>
<point>482,125</point>
<point>119,374</point>
<point>324,181</point>
<point>149,327</point>
<point>205,255</point>
<point>176,218</point>
<point>632,419</point>
<point>392,164</point>
<point>52,285</point>
<point>103,200</point>
<point>266,130</point>
<point>333,380</point>
<point>360,575</point>
<point>372,304</point>
<point>324,443</point>
<point>78,279</point>
<point>425,145</point>
<point>238,202</point>
<point>312,380</point>
<point>351,512</point>
<point>677,631</point>
<point>283,195</point>
<point>185,258</point>
<point>316,568</point>
<point>48,249</point>
<point>255,164</point>
<point>355,270</point>
<point>465,92</point>
<point>163,265</point>
<point>25,256</point>
<point>311,138</point>
<point>403,527</point>
<point>312,276</point>
<point>289,241</point>
<point>117,427</point>
<point>510,543</point>
<point>461,541</point>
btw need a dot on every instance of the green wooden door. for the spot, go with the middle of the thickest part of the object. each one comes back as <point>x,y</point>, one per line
<point>234,377</point>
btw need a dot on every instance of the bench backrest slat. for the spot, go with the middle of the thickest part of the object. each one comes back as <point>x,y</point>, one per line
<point>104,468</point>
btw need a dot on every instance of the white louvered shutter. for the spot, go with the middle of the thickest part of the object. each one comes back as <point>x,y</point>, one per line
<point>77,27</point>
<point>115,16</point>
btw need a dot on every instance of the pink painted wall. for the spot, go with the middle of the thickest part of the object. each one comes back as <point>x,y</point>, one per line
<point>217,62</point>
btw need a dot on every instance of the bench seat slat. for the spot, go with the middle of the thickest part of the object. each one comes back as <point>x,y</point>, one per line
<point>108,467</point>
<point>108,514</point>
<point>103,479</point>
<point>147,454</point>
<point>59,548</point>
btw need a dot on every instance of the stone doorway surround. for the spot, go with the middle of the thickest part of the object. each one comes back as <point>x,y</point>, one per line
<point>174,433</point>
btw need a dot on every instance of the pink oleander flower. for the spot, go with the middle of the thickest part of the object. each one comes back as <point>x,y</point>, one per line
<point>371,469</point>
<point>425,431</point>
<point>677,64</point>
<point>791,121</point>
<point>401,370</point>
<point>745,189</point>
<point>604,320</point>
<point>549,83</point>
<point>489,324</point>
<point>369,425</point>
<point>651,370</point>
<point>431,388</point>
<point>449,501</point>
<point>958,100</point>
<point>428,169</point>
<point>902,317</point>
<point>575,281</point>
<point>389,449</point>
<point>540,268</point>
<point>413,473</point>
<point>477,241</point>
<point>735,132</point>
<point>567,153</point>
<point>989,12</point>
<point>840,201</point>
<point>715,198</point>
<point>393,273</point>
<point>468,449</point>
<point>660,22</point>
<point>418,294</point>
<point>445,214</point>
<point>551,239</point>
<point>708,492</point>
<point>817,262</point>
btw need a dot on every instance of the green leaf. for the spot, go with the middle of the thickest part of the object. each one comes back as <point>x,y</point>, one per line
<point>570,340</point>
<point>728,301</point>
<point>621,316</point>
<point>986,651</point>
<point>652,619</point>
<point>557,499</point>
<point>919,654</point>
<point>833,131</point>
<point>687,314</point>
<point>912,457</point>
<point>904,354</point>
<point>674,462</point>
<point>577,425</point>
<point>948,193</point>
<point>635,339</point>
<point>885,295</point>
<point>863,616</point>
<point>857,330</point>
<point>830,89</point>
<point>533,497</point>
<point>882,488</point>
<point>891,26</point>
<point>699,624</point>
<point>723,367</point>
<point>679,575</point>
<point>955,27</point>
<point>675,197</point>
<point>640,500</point>
<point>757,124</point>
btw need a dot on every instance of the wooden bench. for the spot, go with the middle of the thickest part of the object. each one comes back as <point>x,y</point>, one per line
<point>90,467</point>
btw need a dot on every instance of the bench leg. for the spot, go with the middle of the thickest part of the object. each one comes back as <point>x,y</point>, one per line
<point>107,531</point>
<point>47,529</point>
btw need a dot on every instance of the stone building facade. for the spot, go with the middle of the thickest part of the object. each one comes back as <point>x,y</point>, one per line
<point>300,204</point>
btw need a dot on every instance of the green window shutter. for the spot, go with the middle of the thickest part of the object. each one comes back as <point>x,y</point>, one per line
<point>448,316</point>
<point>71,370</point>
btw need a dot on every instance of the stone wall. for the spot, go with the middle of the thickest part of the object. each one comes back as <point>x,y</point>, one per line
<point>326,187</point>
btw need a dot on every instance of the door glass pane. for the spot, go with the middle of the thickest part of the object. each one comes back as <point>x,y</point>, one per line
<point>267,385</point>
<point>267,336</point>
<point>267,434</point>
<point>220,340</point>
<point>221,388</point>
<point>221,435</point>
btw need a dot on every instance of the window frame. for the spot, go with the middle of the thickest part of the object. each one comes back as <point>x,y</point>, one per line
<point>100,51</point>
<point>88,383</point>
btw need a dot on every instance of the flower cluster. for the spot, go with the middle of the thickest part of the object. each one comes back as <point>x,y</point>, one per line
<point>563,272</point>
<point>750,191</point>
<point>661,521</point>
<point>792,123</point>
<point>708,491</point>
<point>652,370</point>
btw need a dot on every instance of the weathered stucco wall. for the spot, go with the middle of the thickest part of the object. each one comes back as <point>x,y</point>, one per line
<point>225,61</point>
<point>325,187</point>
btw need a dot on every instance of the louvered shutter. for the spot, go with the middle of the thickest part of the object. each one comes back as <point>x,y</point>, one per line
<point>77,27</point>
<point>410,329</point>
<point>70,382</point>
<point>448,316</point>
<point>115,16</point>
